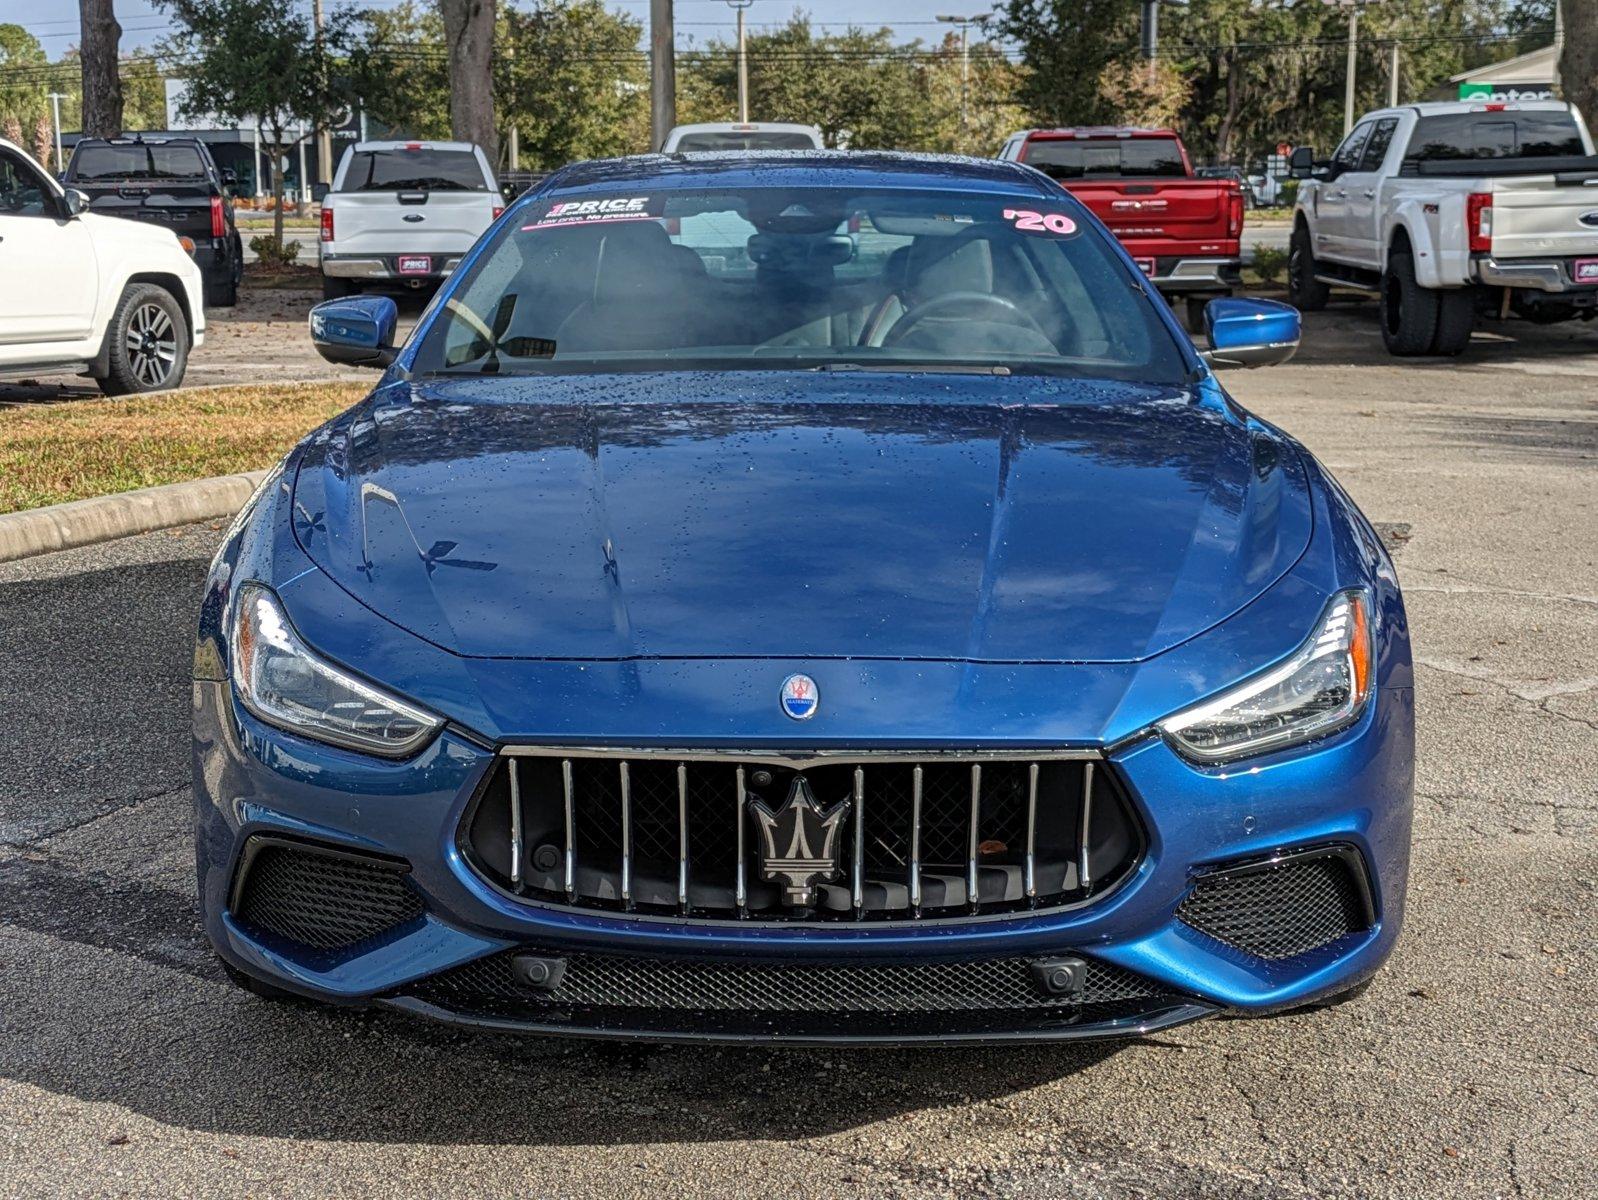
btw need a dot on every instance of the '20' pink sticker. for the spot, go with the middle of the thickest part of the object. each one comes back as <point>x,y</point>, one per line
<point>1035,222</point>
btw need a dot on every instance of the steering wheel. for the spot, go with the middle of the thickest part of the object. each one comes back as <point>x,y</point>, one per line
<point>1008,310</point>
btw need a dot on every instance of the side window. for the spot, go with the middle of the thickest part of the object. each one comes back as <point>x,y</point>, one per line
<point>23,192</point>
<point>1348,154</point>
<point>1376,148</point>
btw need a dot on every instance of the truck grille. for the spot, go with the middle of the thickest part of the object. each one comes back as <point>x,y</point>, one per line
<point>930,836</point>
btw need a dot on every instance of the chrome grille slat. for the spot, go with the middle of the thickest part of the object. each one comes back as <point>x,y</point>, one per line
<point>938,837</point>
<point>625,779</point>
<point>571,830</point>
<point>515,827</point>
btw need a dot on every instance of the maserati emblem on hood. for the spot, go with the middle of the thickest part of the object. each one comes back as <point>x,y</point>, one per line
<point>799,697</point>
<point>798,843</point>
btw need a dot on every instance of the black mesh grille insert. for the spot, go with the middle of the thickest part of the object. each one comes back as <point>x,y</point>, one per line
<point>325,900</point>
<point>614,981</point>
<point>1279,911</point>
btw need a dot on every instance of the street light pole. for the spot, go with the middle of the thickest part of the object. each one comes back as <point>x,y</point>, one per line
<point>55,105</point>
<point>965,24</point>
<point>662,72</point>
<point>743,62</point>
<point>1348,83</point>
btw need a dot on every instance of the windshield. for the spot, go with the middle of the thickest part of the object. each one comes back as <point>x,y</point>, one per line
<point>136,161</point>
<point>800,277</point>
<point>1077,158</point>
<point>414,169</point>
<point>1506,134</point>
<point>770,139</point>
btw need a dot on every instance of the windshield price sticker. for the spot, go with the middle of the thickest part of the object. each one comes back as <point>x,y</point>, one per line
<point>598,212</point>
<point>1028,221</point>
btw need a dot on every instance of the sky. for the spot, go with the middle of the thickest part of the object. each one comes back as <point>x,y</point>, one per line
<point>55,22</point>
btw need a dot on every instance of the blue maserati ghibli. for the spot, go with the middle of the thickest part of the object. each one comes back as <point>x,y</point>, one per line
<point>802,598</point>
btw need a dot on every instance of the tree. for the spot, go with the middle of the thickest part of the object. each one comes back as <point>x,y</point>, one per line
<point>1066,46</point>
<point>1139,96</point>
<point>398,69</point>
<point>102,83</point>
<point>1578,64</point>
<point>469,37</point>
<point>23,83</point>
<point>259,61</point>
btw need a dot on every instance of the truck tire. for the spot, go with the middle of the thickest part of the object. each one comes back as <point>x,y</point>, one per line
<point>1305,291</point>
<point>335,288</point>
<point>1195,306</point>
<point>1408,311</point>
<point>1456,317</point>
<point>226,293</point>
<point>147,342</point>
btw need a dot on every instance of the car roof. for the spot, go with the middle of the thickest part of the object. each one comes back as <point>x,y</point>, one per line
<point>745,127</point>
<point>1101,131</point>
<point>801,168</point>
<point>417,144</point>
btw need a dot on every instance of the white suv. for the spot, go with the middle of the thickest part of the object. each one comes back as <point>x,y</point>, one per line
<point>404,213</point>
<point>117,300</point>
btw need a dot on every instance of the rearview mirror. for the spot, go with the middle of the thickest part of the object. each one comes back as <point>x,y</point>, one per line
<point>358,332</point>
<point>1301,163</point>
<point>1250,333</point>
<point>77,203</point>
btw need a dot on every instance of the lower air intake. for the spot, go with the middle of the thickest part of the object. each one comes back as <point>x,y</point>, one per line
<point>321,898</point>
<point>662,985</point>
<point>1284,907</point>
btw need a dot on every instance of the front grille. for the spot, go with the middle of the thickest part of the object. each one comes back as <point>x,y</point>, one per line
<point>933,837</point>
<point>673,985</point>
<point>320,898</point>
<point>1282,909</point>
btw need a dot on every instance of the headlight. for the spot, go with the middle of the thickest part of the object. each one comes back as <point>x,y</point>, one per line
<point>1321,688</point>
<point>283,682</point>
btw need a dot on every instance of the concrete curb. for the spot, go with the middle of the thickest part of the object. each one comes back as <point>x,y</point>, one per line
<point>102,518</point>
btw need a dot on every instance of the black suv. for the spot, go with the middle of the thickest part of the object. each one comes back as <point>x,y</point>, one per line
<point>172,182</point>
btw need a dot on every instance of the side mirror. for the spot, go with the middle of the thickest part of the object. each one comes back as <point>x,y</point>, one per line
<point>1301,163</point>
<point>1250,333</point>
<point>358,332</point>
<point>230,177</point>
<point>77,203</point>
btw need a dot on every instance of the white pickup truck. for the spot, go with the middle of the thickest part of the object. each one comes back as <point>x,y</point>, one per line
<point>120,301</point>
<point>404,214</point>
<point>1447,211</point>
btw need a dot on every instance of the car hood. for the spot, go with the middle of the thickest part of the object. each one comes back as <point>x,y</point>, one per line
<point>802,515</point>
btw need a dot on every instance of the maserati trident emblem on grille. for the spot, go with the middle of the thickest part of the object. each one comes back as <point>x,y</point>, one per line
<point>798,843</point>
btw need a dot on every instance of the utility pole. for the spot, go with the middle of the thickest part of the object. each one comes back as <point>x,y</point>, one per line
<point>965,24</point>
<point>55,106</point>
<point>662,71</point>
<point>324,137</point>
<point>1348,83</point>
<point>1392,75</point>
<point>743,62</point>
<point>1559,39</point>
<point>1151,35</point>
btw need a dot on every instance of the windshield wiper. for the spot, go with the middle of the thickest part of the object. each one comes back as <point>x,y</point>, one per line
<point>937,368</point>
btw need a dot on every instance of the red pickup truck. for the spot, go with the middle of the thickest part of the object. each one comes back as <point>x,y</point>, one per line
<point>1183,231</point>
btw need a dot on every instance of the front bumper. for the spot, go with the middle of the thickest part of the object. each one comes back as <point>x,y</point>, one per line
<point>1539,275</point>
<point>1351,791</point>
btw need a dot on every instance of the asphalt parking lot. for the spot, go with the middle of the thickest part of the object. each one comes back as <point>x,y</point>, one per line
<point>129,1065</point>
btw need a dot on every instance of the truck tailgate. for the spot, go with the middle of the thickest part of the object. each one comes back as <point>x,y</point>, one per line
<point>184,208</point>
<point>1166,216</point>
<point>1537,218</point>
<point>437,222</point>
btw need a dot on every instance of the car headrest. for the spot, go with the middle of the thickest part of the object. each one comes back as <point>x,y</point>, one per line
<point>636,261</point>
<point>938,267</point>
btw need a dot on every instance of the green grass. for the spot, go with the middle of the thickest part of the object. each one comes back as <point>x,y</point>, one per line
<point>50,453</point>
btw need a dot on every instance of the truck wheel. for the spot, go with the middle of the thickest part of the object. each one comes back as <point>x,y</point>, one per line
<point>1409,311</point>
<point>148,340</point>
<point>1456,317</point>
<point>223,295</point>
<point>334,288</point>
<point>1303,289</point>
<point>1195,313</point>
